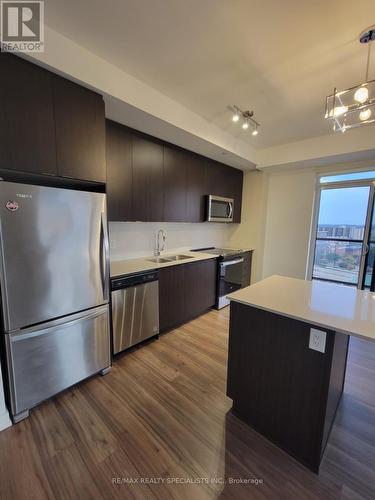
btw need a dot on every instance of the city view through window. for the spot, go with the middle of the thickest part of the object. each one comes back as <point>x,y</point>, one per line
<point>340,235</point>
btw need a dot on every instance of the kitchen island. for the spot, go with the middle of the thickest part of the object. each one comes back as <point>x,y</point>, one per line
<point>288,346</point>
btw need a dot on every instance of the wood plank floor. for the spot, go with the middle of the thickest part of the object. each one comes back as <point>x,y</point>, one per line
<point>159,426</point>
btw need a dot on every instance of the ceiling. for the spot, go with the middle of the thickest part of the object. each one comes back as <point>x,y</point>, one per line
<point>279,58</point>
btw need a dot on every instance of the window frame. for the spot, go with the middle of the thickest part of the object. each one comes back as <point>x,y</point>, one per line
<point>320,186</point>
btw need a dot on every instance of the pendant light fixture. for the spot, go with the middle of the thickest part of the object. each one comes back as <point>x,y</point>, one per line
<point>247,119</point>
<point>355,106</point>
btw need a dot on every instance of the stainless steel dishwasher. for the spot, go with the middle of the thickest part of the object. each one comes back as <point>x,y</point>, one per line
<point>135,309</point>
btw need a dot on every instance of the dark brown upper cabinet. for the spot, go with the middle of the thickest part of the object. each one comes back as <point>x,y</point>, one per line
<point>162,182</point>
<point>175,184</point>
<point>119,172</point>
<point>196,189</point>
<point>48,124</point>
<point>217,176</point>
<point>27,127</point>
<point>227,182</point>
<point>80,131</point>
<point>148,194</point>
<point>235,184</point>
<point>184,185</point>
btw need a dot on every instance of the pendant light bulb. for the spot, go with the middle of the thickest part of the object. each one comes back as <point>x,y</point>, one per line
<point>255,131</point>
<point>236,117</point>
<point>365,115</point>
<point>245,125</point>
<point>338,111</point>
<point>361,94</point>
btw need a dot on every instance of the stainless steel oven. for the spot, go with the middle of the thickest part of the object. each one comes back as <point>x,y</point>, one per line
<point>219,209</point>
<point>233,271</point>
<point>230,279</point>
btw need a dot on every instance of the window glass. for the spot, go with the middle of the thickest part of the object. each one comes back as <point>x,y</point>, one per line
<point>340,233</point>
<point>352,176</point>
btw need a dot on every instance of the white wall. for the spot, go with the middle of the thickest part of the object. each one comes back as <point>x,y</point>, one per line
<point>137,239</point>
<point>251,232</point>
<point>4,416</point>
<point>276,218</point>
<point>288,221</point>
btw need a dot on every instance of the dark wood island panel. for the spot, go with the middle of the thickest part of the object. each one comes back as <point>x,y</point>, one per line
<point>283,389</point>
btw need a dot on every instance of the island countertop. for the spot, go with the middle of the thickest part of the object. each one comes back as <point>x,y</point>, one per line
<point>336,307</point>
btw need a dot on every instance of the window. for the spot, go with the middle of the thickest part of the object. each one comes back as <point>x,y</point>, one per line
<point>343,247</point>
<point>352,176</point>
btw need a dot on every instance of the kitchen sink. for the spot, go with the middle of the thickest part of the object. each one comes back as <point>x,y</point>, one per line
<point>178,257</point>
<point>159,260</point>
<point>169,258</point>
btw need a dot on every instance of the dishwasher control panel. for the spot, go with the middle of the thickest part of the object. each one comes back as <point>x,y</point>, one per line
<point>134,280</point>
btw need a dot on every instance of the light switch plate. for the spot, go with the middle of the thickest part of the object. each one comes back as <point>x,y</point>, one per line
<point>317,340</point>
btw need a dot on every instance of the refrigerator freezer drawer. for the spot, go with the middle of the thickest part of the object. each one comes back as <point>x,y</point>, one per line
<point>45,360</point>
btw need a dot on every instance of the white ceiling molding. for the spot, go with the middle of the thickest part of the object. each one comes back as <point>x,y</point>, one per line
<point>356,144</point>
<point>137,105</point>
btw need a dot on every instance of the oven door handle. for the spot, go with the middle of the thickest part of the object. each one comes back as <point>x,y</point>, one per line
<point>231,262</point>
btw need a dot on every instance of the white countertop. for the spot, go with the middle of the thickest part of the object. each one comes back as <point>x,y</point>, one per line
<point>336,307</point>
<point>130,266</point>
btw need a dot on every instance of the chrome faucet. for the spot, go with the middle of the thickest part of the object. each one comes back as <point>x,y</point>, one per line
<point>160,247</point>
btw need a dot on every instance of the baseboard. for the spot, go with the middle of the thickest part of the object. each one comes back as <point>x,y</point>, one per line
<point>5,421</point>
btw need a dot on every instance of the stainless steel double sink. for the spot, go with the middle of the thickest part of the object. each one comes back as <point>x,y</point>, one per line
<point>170,258</point>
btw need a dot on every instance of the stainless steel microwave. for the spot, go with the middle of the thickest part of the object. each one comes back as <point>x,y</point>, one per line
<point>219,209</point>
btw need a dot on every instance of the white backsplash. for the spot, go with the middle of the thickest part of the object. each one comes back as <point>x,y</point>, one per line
<point>129,240</point>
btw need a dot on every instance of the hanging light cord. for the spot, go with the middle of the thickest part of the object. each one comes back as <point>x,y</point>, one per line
<point>368,61</point>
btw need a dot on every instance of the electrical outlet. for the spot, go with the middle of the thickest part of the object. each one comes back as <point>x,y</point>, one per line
<point>317,340</point>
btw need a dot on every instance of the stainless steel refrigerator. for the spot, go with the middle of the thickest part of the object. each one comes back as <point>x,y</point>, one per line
<point>54,273</point>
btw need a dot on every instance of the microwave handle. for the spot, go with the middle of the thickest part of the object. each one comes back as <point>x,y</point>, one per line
<point>230,209</point>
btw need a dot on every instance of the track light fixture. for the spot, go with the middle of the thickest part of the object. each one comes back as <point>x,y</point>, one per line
<point>247,119</point>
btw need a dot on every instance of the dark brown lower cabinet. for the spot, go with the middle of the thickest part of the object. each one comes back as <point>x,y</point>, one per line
<point>171,296</point>
<point>246,270</point>
<point>284,390</point>
<point>186,291</point>
<point>199,287</point>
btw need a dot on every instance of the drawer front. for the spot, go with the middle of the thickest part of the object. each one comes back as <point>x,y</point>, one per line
<point>43,362</point>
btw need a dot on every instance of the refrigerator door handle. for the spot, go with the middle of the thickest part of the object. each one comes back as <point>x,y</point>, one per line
<point>230,210</point>
<point>51,326</point>
<point>104,257</point>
